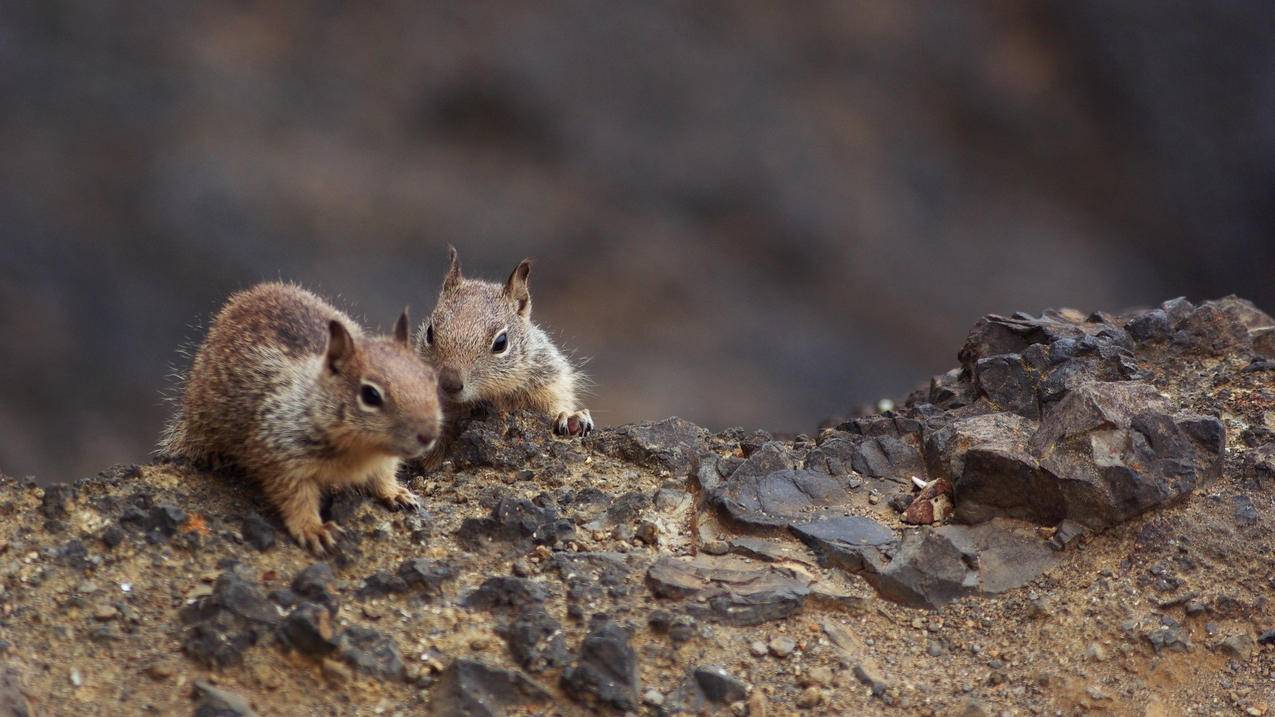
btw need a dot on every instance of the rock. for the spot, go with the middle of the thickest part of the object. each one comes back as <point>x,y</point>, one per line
<point>987,461</point>
<point>851,543</point>
<point>1153,325</point>
<point>621,510</point>
<point>57,501</point>
<point>672,444</point>
<point>370,652</point>
<point>316,582</point>
<point>1219,327</point>
<point>257,532</point>
<point>518,522</point>
<point>932,505</point>
<point>13,698</point>
<point>1267,638</point>
<point>506,592</point>
<point>536,641</point>
<point>500,440</point>
<point>777,499</point>
<point>606,670</point>
<point>1245,512</point>
<point>473,688</point>
<point>1239,646</point>
<point>308,630</point>
<point>928,570</point>
<point>234,617</point>
<point>219,702</point>
<point>729,590</point>
<point>380,584</point>
<point>165,519</point>
<point>1008,383</point>
<point>425,576</point>
<point>720,686</point>
<point>782,646</point>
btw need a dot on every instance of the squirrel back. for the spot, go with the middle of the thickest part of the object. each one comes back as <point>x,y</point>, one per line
<point>291,390</point>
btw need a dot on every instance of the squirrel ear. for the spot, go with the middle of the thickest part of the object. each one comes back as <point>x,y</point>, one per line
<point>516,287</point>
<point>453,271</point>
<point>340,345</point>
<point>401,330</point>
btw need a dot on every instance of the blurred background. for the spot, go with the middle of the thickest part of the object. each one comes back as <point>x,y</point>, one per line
<point>744,213</point>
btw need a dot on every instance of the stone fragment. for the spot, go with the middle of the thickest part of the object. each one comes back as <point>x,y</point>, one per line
<point>605,673</point>
<point>308,630</point>
<point>1008,383</point>
<point>501,440</point>
<point>225,623</point>
<point>852,543</point>
<point>777,499</point>
<point>257,531</point>
<point>672,444</point>
<point>219,702</point>
<point>370,652</point>
<point>425,576</point>
<point>13,697</point>
<point>858,656</point>
<point>473,688</point>
<point>536,641</point>
<point>720,686</point>
<point>729,590</point>
<point>516,524</point>
<point>507,592</point>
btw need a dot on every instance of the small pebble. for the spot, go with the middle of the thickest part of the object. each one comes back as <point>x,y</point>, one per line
<point>76,678</point>
<point>809,697</point>
<point>653,697</point>
<point>715,547</point>
<point>758,648</point>
<point>782,646</point>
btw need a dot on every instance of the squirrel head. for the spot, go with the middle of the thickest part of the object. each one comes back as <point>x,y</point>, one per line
<point>478,334</point>
<point>381,393</point>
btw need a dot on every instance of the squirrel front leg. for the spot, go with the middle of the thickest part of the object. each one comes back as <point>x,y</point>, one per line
<point>558,399</point>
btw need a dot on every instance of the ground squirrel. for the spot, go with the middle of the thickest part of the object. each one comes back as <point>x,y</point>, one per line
<point>481,340</point>
<point>289,389</point>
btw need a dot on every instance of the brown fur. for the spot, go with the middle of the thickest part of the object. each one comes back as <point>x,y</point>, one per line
<point>275,389</point>
<point>533,373</point>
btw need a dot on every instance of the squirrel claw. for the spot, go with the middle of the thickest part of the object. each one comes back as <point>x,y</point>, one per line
<point>402,499</point>
<point>319,539</point>
<point>579,423</point>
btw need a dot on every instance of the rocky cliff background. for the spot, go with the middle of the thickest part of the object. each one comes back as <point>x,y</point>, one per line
<point>744,213</point>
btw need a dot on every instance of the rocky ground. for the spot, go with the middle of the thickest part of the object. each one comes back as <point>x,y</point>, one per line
<point>1077,519</point>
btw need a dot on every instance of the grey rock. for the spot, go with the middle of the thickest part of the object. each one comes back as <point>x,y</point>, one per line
<point>232,619</point>
<point>370,652</point>
<point>257,531</point>
<point>13,698</point>
<point>606,671</point>
<point>308,630</point>
<point>779,498</point>
<point>506,592</point>
<point>536,641</point>
<point>720,686</point>
<point>1245,512</point>
<point>1007,382</point>
<point>425,576</point>
<point>473,688</point>
<point>515,524</point>
<point>219,702</point>
<point>729,590</point>
<point>852,543</point>
<point>992,471</point>
<point>672,444</point>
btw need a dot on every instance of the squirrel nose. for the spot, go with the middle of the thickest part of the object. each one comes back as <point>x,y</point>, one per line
<point>425,439</point>
<point>451,381</point>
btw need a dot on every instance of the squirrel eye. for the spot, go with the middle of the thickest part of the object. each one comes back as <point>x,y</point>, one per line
<point>370,395</point>
<point>501,343</point>
<point>429,335</point>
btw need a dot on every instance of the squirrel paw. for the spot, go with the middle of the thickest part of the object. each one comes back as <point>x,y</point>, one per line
<point>400,498</point>
<point>579,423</point>
<point>318,539</point>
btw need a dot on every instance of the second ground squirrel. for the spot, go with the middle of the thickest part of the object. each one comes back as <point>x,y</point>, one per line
<point>481,340</point>
<point>291,391</point>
